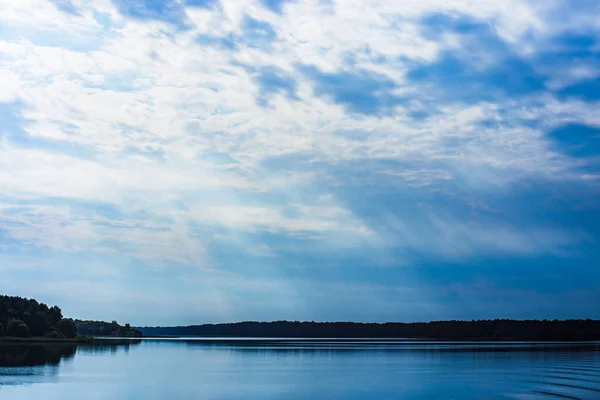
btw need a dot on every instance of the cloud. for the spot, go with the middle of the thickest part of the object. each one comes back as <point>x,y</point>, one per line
<point>274,5</point>
<point>480,66</point>
<point>587,89</point>
<point>201,3</point>
<point>169,11</point>
<point>360,92</point>
<point>227,42</point>
<point>257,33</point>
<point>273,80</point>
<point>65,6</point>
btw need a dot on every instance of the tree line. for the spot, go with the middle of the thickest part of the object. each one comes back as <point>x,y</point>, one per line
<point>21,317</point>
<point>498,329</point>
<point>101,328</point>
<point>24,318</point>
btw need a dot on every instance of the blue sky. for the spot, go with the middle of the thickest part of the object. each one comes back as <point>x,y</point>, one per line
<point>188,161</point>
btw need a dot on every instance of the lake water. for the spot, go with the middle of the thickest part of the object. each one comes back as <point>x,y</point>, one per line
<point>300,369</point>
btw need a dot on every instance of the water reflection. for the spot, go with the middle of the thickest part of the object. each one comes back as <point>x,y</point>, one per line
<point>508,370</point>
<point>24,365</point>
<point>34,355</point>
<point>389,345</point>
<point>300,369</point>
<point>31,355</point>
<point>109,346</point>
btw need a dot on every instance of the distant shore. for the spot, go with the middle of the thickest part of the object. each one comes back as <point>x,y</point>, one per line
<point>480,330</point>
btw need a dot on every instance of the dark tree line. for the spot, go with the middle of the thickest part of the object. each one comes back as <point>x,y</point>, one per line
<point>20,317</point>
<point>499,329</point>
<point>101,328</point>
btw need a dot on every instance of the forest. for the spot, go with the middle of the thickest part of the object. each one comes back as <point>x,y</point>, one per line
<point>23,318</point>
<point>26,318</point>
<point>498,329</point>
<point>101,328</point>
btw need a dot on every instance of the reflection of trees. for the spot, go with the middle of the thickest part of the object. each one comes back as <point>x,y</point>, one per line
<point>34,355</point>
<point>19,355</point>
<point>346,346</point>
<point>109,345</point>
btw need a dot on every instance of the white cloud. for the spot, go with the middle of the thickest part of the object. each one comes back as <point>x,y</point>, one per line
<point>310,219</point>
<point>118,84</point>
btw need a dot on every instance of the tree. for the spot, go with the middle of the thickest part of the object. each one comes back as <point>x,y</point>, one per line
<point>38,325</point>
<point>41,320</point>
<point>54,335</point>
<point>102,328</point>
<point>67,327</point>
<point>54,315</point>
<point>17,328</point>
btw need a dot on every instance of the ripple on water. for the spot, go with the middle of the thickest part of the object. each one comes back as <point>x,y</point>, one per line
<point>566,378</point>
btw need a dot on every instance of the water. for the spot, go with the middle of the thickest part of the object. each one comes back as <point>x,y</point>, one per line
<point>300,369</point>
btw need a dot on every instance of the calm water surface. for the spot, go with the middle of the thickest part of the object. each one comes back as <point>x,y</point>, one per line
<point>300,369</point>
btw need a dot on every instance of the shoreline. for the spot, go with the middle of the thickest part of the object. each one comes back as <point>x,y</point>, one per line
<point>45,340</point>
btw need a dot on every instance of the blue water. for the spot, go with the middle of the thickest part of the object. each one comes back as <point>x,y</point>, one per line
<point>300,369</point>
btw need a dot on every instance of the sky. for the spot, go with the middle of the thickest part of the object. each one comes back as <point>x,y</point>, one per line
<point>175,162</point>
